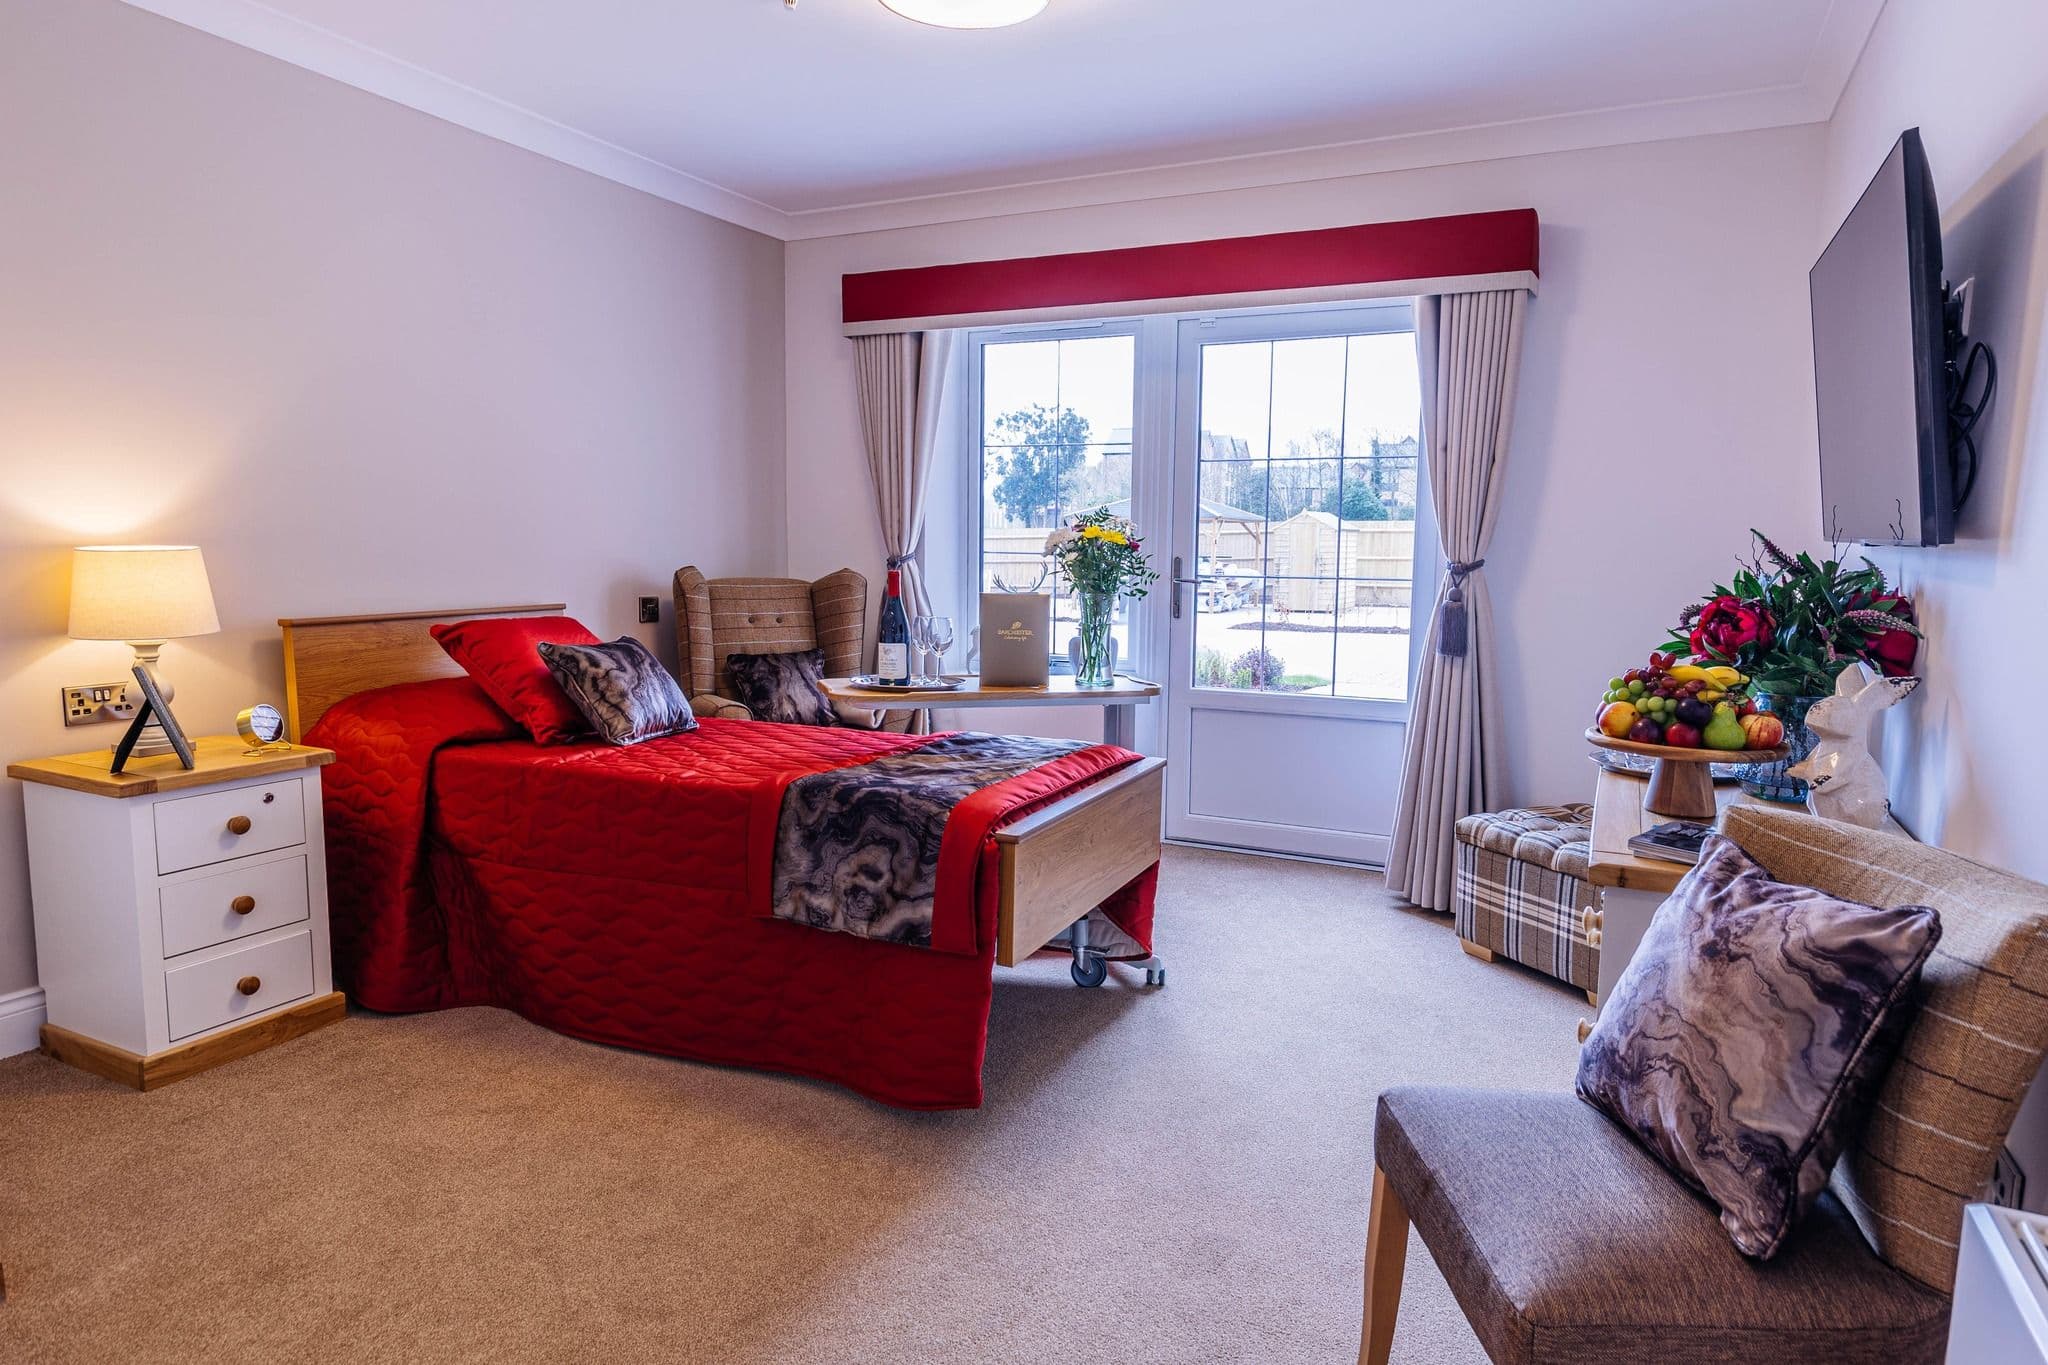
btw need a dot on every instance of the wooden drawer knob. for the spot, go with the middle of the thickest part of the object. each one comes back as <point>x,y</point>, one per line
<point>249,985</point>
<point>238,824</point>
<point>242,905</point>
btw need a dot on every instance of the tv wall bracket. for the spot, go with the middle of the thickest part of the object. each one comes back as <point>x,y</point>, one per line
<point>1962,359</point>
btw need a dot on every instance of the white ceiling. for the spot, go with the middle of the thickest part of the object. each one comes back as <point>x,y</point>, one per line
<point>840,115</point>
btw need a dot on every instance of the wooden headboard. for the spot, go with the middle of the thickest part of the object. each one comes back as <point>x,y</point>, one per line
<point>328,658</point>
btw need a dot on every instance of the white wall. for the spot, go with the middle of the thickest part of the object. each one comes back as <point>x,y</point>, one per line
<point>366,359</point>
<point>1666,399</point>
<point>1964,753</point>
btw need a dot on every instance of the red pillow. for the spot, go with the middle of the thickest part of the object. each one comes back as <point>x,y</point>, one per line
<point>503,654</point>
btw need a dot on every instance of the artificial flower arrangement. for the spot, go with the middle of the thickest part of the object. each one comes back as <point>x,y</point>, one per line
<point>1793,623</point>
<point>1101,553</point>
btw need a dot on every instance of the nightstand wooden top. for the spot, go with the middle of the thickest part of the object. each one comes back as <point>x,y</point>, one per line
<point>217,758</point>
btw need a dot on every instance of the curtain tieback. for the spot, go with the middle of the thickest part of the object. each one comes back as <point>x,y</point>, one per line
<point>1452,632</point>
<point>898,561</point>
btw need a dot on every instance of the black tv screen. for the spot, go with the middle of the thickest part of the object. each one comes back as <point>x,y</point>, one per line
<point>1877,363</point>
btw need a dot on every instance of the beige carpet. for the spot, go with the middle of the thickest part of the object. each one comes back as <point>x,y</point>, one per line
<point>1178,1176</point>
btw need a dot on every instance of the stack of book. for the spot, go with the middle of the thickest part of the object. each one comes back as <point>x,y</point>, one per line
<point>1674,841</point>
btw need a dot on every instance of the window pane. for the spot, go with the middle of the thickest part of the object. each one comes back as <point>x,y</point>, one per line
<point>1308,398</point>
<point>1372,641</point>
<point>1096,476</point>
<point>1096,384</point>
<point>1228,626</point>
<point>1017,376</point>
<point>1231,529</point>
<point>1295,487</point>
<point>1380,485</point>
<point>1383,418</point>
<point>1237,392</point>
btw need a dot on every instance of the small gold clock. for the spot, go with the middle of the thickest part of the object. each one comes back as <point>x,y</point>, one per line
<point>261,726</point>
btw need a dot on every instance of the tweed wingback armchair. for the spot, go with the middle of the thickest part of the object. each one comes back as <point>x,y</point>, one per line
<point>1564,1241</point>
<point>719,617</point>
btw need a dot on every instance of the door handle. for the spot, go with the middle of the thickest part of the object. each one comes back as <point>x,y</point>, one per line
<point>1178,580</point>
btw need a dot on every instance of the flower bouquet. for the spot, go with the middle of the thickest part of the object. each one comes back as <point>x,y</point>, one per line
<point>1792,623</point>
<point>1101,558</point>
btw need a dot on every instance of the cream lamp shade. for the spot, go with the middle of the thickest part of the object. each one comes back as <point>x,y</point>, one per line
<point>140,592</point>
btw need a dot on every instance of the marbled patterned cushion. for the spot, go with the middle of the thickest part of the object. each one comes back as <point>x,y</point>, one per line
<point>782,687</point>
<point>1748,1034</point>
<point>621,689</point>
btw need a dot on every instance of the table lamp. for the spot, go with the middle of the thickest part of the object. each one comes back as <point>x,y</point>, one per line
<point>143,595</point>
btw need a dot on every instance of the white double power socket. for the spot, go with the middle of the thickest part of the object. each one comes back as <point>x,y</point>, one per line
<point>97,703</point>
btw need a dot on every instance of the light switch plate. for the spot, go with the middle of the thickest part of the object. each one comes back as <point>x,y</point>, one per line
<point>97,704</point>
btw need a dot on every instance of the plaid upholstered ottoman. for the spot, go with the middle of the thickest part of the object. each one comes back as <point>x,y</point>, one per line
<point>1520,888</point>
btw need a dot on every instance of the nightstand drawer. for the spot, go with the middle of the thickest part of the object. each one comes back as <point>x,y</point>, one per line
<point>235,985</point>
<point>196,830</point>
<point>232,905</point>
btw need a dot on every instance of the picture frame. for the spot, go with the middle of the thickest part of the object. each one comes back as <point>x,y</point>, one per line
<point>153,704</point>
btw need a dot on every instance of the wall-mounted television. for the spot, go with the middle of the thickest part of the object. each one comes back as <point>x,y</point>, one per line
<point>1879,364</point>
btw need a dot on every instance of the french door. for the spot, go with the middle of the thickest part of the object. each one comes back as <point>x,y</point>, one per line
<point>1298,512</point>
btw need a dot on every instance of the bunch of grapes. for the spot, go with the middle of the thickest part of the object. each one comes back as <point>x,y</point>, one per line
<point>1652,690</point>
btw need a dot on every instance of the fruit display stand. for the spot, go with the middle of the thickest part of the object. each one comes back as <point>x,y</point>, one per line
<point>1682,780</point>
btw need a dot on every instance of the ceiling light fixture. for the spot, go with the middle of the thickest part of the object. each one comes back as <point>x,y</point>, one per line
<point>967,13</point>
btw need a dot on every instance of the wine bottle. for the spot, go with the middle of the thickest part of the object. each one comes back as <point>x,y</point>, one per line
<point>892,640</point>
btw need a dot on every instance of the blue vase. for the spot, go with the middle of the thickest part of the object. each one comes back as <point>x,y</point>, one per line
<point>1769,781</point>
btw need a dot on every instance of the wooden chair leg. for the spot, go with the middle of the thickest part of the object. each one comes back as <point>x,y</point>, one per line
<point>1386,1256</point>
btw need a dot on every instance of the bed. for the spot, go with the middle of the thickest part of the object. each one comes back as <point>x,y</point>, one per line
<point>615,894</point>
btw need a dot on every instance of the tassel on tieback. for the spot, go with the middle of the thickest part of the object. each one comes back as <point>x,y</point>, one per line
<point>1453,634</point>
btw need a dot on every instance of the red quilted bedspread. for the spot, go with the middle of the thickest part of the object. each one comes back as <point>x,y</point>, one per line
<point>616,894</point>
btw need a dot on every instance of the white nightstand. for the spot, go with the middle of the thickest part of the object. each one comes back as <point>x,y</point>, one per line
<point>181,916</point>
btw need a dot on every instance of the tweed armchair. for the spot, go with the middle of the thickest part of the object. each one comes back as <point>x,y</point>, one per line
<point>718,617</point>
<point>1564,1241</point>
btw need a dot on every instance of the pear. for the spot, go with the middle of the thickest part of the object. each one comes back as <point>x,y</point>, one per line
<point>1724,730</point>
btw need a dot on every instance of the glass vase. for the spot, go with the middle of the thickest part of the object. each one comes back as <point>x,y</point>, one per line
<point>1096,666</point>
<point>1769,780</point>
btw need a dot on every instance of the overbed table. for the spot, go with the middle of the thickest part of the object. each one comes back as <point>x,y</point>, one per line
<point>1119,703</point>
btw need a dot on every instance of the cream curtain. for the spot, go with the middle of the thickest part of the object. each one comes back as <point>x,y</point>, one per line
<point>1470,348</point>
<point>901,379</point>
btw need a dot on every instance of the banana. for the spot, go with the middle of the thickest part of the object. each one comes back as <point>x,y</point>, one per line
<point>1725,677</point>
<point>1686,673</point>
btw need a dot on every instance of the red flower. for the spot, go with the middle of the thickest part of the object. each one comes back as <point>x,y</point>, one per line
<point>1727,626</point>
<point>1893,651</point>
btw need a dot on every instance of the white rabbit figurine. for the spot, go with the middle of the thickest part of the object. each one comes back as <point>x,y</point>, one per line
<point>1844,781</point>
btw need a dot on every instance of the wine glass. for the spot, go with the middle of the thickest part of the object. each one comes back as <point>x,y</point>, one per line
<point>921,643</point>
<point>939,639</point>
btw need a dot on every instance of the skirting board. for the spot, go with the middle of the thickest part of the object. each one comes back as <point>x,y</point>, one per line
<point>21,1020</point>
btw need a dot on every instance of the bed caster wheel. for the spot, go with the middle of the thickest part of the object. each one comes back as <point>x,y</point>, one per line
<point>1091,974</point>
<point>1155,976</point>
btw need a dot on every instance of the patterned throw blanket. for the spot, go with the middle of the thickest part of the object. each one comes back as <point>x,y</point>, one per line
<point>857,848</point>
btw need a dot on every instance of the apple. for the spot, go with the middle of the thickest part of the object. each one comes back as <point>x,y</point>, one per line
<point>1763,731</point>
<point>1679,735</point>
<point>1617,718</point>
<point>1646,731</point>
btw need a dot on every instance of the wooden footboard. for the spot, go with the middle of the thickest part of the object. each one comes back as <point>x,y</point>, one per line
<point>1060,862</point>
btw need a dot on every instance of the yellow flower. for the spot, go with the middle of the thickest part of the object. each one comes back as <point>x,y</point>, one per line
<point>1104,533</point>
